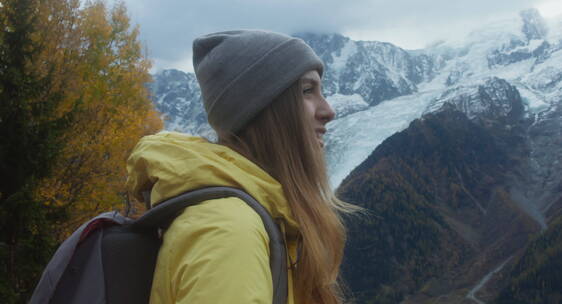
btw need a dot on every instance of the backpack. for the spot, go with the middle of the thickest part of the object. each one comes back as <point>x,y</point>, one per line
<point>111,258</point>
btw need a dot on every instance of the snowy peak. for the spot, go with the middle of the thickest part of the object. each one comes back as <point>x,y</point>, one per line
<point>177,96</point>
<point>494,99</point>
<point>172,80</point>
<point>534,26</point>
<point>376,71</point>
<point>522,40</point>
<point>326,46</point>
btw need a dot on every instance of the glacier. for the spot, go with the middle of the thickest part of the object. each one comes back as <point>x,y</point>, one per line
<point>351,139</point>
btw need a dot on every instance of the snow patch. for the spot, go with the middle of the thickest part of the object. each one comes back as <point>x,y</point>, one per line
<point>534,44</point>
<point>554,34</point>
<point>533,101</point>
<point>514,70</point>
<point>344,105</point>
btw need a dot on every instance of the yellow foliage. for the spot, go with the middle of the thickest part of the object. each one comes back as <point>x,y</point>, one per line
<point>103,72</point>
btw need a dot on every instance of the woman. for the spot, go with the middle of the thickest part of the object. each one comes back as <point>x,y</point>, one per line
<point>262,94</point>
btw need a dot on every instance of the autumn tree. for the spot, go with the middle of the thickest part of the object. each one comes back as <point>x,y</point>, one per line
<point>115,112</point>
<point>73,104</point>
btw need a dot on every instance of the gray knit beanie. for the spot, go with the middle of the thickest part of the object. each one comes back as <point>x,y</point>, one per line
<point>241,72</point>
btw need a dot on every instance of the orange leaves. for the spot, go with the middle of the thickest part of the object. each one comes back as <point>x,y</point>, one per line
<point>106,90</point>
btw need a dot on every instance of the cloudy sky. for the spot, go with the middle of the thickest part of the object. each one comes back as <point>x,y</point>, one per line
<point>168,27</point>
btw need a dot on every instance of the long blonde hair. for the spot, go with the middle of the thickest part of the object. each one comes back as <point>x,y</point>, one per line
<point>283,142</point>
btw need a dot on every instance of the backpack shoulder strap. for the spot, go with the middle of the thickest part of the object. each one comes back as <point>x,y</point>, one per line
<point>163,213</point>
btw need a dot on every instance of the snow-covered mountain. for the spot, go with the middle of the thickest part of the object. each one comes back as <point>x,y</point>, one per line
<point>519,51</point>
<point>374,70</point>
<point>377,88</point>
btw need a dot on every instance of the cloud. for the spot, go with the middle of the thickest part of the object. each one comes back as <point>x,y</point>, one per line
<point>168,27</point>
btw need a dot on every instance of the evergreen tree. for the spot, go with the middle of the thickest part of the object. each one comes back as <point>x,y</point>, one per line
<point>28,144</point>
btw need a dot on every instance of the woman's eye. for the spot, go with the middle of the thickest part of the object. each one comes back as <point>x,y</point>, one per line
<point>307,90</point>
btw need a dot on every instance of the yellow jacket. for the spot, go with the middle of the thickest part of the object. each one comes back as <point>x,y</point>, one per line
<point>217,251</point>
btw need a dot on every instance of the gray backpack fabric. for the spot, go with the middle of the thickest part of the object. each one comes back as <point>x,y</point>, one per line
<point>111,258</point>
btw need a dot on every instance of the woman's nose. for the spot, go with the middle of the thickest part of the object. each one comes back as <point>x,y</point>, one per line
<point>326,113</point>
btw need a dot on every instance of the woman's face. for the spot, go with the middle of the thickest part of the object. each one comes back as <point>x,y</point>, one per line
<point>317,109</point>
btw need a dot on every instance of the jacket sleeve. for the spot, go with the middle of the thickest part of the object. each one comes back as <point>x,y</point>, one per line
<point>214,252</point>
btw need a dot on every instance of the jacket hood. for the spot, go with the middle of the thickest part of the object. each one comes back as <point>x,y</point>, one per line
<point>168,164</point>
